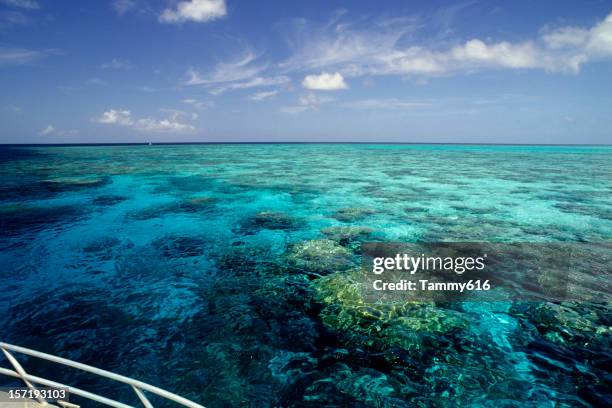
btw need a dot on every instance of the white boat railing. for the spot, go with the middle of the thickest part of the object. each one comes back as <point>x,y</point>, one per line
<point>139,387</point>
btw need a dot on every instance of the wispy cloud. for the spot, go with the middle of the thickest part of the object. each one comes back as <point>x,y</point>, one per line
<point>307,102</point>
<point>124,6</point>
<point>123,117</point>
<point>13,18</point>
<point>244,67</point>
<point>15,109</point>
<point>19,56</point>
<point>351,47</point>
<point>24,4</point>
<point>116,64</point>
<point>243,72</point>
<point>256,82</point>
<point>96,81</point>
<point>389,103</point>
<point>83,86</point>
<point>199,104</point>
<point>20,13</point>
<point>52,130</point>
<point>199,11</point>
<point>260,96</point>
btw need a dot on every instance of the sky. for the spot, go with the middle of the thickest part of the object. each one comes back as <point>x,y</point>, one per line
<point>94,71</point>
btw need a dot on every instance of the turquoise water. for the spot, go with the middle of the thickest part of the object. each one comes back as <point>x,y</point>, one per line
<point>225,272</point>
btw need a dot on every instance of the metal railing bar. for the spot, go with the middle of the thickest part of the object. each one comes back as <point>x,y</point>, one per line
<point>67,404</point>
<point>142,397</point>
<point>22,373</point>
<point>72,390</point>
<point>117,377</point>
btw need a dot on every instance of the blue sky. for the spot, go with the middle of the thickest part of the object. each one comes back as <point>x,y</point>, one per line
<point>317,70</point>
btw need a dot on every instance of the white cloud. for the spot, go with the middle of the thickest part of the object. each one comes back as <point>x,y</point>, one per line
<point>307,102</point>
<point>260,96</point>
<point>592,43</point>
<point>163,125</point>
<point>565,37</point>
<point>116,117</point>
<point>386,48</point>
<point>124,118</point>
<point>47,131</point>
<point>600,39</point>
<point>116,64</point>
<point>502,54</point>
<point>199,11</point>
<point>24,4</point>
<point>324,82</point>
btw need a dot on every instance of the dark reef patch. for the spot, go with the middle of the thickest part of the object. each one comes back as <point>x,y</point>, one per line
<point>20,218</point>
<point>9,153</point>
<point>412,209</point>
<point>194,206</point>
<point>79,325</point>
<point>564,337</point>
<point>351,236</point>
<point>271,220</point>
<point>584,209</point>
<point>181,246</point>
<point>33,187</point>
<point>197,204</point>
<point>192,184</point>
<point>103,248</point>
<point>345,234</point>
<point>473,210</point>
<point>108,200</point>
<point>22,188</point>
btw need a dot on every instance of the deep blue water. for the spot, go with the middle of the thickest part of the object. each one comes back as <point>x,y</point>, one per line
<point>224,272</point>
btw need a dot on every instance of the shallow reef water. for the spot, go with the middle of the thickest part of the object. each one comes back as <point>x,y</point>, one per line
<point>229,273</point>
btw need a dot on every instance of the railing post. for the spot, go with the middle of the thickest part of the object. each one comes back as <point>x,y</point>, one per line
<point>142,397</point>
<point>23,375</point>
<point>66,404</point>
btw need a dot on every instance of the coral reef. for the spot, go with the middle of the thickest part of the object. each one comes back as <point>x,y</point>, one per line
<point>272,220</point>
<point>236,269</point>
<point>319,256</point>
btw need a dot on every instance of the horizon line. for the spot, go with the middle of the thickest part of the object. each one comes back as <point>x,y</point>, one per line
<point>68,144</point>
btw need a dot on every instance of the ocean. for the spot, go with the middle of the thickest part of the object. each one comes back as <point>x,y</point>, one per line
<point>223,272</point>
